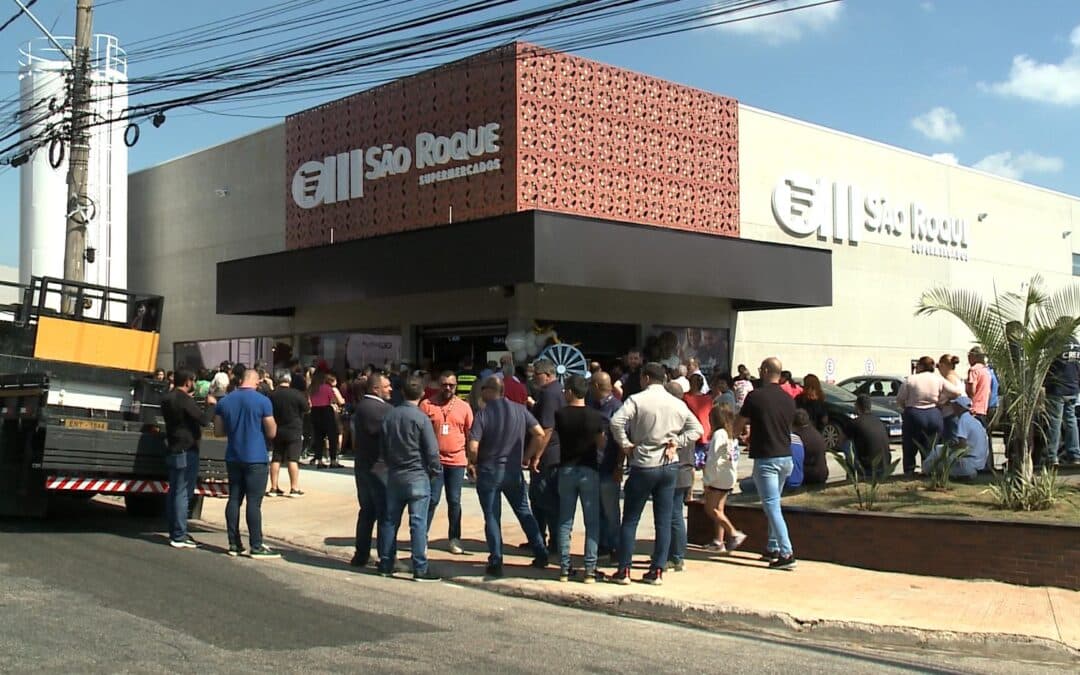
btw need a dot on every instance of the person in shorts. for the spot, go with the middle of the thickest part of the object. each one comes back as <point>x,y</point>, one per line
<point>290,405</point>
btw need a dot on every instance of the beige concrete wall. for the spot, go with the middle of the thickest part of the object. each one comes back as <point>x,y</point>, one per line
<point>190,213</point>
<point>877,283</point>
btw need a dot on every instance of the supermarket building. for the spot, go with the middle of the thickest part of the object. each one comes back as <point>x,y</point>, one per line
<point>523,191</point>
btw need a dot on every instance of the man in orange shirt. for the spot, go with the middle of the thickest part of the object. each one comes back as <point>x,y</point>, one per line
<point>452,419</point>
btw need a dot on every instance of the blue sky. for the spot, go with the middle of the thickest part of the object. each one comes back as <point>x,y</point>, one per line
<point>988,83</point>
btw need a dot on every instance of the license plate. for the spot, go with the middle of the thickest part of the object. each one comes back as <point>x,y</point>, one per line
<point>92,425</point>
<point>896,430</point>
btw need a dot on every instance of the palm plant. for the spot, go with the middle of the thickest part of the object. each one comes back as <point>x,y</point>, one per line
<point>1022,333</point>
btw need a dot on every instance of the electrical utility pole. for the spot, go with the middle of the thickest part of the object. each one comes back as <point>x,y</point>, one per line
<point>79,208</point>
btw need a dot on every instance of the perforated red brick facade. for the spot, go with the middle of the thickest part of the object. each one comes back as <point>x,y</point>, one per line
<point>574,136</point>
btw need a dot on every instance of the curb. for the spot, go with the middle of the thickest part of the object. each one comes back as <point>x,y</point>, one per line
<point>782,625</point>
<point>718,618</point>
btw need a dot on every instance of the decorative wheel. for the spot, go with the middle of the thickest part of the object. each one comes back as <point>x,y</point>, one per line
<point>568,360</point>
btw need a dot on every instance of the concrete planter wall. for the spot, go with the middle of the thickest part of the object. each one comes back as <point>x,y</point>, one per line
<point>1031,554</point>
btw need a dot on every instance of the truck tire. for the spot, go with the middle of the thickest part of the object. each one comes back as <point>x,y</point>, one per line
<point>145,506</point>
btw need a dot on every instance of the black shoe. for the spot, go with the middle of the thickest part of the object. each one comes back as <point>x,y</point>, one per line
<point>426,576</point>
<point>493,571</point>
<point>337,465</point>
<point>783,563</point>
<point>539,563</point>
<point>622,577</point>
<point>320,465</point>
<point>655,576</point>
<point>359,560</point>
<point>770,556</point>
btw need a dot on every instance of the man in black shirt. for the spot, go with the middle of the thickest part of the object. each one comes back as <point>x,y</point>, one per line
<point>370,489</point>
<point>769,411</point>
<point>544,467</point>
<point>581,437</point>
<point>183,430</point>
<point>870,439</point>
<point>290,406</point>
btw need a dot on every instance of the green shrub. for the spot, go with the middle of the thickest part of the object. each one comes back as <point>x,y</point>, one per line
<point>865,485</point>
<point>1011,491</point>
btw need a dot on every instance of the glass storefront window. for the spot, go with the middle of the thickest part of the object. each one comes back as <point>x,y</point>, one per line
<point>344,351</point>
<point>197,355</point>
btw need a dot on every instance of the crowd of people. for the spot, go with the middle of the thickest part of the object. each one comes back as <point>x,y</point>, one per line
<point>609,441</point>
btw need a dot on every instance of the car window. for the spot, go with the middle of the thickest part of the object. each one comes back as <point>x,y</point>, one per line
<point>877,389</point>
<point>835,393</point>
<point>851,386</point>
<point>894,388</point>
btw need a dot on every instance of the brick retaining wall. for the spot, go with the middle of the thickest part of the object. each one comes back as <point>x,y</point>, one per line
<point>1032,554</point>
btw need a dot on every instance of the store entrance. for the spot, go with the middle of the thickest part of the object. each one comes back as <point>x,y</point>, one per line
<point>445,347</point>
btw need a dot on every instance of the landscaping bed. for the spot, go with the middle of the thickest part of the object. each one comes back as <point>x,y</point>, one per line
<point>957,533</point>
<point>960,500</point>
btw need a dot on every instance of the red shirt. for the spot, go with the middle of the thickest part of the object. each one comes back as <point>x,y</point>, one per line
<point>514,390</point>
<point>978,388</point>
<point>791,389</point>
<point>701,405</point>
<point>452,421</point>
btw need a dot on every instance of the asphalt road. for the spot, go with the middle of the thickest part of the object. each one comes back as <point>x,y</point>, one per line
<point>97,591</point>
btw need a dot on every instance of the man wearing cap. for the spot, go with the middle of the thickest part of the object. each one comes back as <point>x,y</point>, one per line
<point>963,431</point>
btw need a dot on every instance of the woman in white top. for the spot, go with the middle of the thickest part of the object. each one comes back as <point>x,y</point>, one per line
<point>719,475</point>
<point>921,397</point>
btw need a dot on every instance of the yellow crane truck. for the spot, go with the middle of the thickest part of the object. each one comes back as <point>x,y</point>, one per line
<point>79,408</point>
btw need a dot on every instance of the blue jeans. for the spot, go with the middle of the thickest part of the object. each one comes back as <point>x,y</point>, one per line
<point>678,525</point>
<point>609,512</point>
<point>544,497</point>
<point>579,482</point>
<point>1061,411</point>
<point>183,474</point>
<point>246,481</point>
<point>658,483</point>
<point>415,493</point>
<point>493,482</point>
<point>769,477</point>
<point>920,428</point>
<point>453,477</point>
<point>371,494</point>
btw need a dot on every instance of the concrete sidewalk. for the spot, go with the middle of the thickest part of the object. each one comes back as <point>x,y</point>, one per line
<point>733,592</point>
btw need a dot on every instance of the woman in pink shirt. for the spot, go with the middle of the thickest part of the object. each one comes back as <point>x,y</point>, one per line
<point>920,397</point>
<point>324,396</point>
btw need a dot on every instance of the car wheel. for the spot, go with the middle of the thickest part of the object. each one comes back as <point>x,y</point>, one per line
<point>833,435</point>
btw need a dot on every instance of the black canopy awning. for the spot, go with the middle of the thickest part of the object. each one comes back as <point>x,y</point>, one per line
<point>534,247</point>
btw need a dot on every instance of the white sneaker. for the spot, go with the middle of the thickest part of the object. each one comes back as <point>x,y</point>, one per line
<point>455,547</point>
<point>716,547</point>
<point>735,541</point>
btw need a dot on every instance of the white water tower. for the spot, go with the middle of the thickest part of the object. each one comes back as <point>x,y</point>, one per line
<point>43,188</point>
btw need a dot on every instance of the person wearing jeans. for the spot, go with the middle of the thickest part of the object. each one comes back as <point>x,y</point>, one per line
<point>451,418</point>
<point>496,448</point>
<point>611,464</point>
<point>769,411</point>
<point>247,481</point>
<point>769,478</point>
<point>408,446</point>
<point>493,482</point>
<point>246,417</point>
<point>650,427</point>
<point>402,493</point>
<point>543,470</point>
<point>581,433</point>
<point>183,430</point>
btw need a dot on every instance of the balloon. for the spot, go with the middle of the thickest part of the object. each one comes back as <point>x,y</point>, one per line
<point>520,356</point>
<point>515,342</point>
<point>534,344</point>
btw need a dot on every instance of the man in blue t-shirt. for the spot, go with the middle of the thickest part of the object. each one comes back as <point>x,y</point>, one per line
<point>246,417</point>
